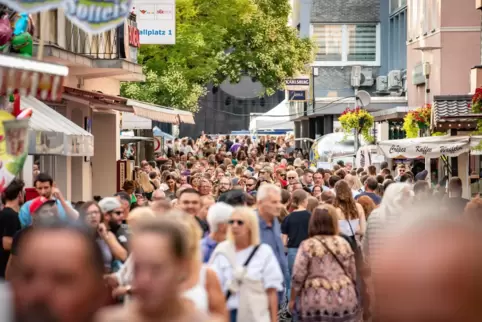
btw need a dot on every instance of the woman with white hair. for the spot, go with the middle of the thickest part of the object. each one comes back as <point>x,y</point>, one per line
<point>249,272</point>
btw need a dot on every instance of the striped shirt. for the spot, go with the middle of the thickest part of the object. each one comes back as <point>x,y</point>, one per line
<point>379,225</point>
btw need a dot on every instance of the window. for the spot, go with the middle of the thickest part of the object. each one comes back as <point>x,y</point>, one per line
<point>329,41</point>
<point>362,43</point>
<point>340,45</point>
<point>396,5</point>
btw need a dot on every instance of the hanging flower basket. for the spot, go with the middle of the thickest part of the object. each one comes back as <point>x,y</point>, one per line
<point>476,108</point>
<point>358,120</point>
<point>417,121</point>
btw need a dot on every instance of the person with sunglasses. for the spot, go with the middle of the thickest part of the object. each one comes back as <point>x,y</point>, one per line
<point>111,229</point>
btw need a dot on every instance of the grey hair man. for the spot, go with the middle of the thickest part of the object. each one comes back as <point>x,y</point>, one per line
<point>269,209</point>
<point>217,218</point>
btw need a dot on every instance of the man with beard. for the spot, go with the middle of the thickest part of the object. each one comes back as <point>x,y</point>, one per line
<point>59,275</point>
<point>112,225</point>
<point>224,185</point>
<point>44,184</point>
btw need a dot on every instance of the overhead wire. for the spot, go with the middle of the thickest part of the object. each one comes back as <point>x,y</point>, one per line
<point>316,109</point>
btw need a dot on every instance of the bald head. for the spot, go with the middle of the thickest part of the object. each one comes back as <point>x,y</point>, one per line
<point>431,273</point>
<point>158,195</point>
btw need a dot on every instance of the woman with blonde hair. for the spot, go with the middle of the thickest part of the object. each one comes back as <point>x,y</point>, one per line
<point>161,260</point>
<point>324,273</point>
<point>248,270</point>
<point>201,285</point>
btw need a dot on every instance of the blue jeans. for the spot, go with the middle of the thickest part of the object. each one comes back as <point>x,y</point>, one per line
<point>233,315</point>
<point>291,261</point>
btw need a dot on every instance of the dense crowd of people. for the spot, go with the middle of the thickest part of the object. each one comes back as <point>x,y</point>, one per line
<point>226,230</point>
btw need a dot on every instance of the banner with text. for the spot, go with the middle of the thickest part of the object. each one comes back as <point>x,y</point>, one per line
<point>429,147</point>
<point>156,21</point>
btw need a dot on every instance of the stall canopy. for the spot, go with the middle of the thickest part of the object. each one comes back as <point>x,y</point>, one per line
<point>276,118</point>
<point>50,133</point>
<point>157,132</point>
<point>429,147</point>
<point>475,141</point>
<point>100,101</point>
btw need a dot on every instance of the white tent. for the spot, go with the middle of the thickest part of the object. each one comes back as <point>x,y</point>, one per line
<point>276,118</point>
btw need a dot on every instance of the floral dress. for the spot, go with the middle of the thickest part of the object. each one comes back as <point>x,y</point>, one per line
<point>327,293</point>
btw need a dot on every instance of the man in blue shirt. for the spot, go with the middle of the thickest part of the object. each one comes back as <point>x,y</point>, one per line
<point>269,209</point>
<point>371,185</point>
<point>44,185</point>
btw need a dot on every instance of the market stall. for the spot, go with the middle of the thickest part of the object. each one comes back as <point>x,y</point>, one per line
<point>434,147</point>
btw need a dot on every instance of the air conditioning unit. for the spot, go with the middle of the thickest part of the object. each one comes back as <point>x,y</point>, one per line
<point>395,80</point>
<point>366,79</point>
<point>356,72</point>
<point>382,84</point>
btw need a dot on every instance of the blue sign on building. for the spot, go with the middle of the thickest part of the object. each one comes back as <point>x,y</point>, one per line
<point>297,96</point>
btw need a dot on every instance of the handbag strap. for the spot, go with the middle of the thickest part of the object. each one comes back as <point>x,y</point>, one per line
<point>246,263</point>
<point>337,259</point>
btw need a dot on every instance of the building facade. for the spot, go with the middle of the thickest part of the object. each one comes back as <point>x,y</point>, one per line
<point>443,41</point>
<point>228,107</point>
<point>97,66</point>
<point>356,49</point>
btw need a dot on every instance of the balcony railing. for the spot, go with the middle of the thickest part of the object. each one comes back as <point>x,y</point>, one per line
<point>102,46</point>
<point>106,45</point>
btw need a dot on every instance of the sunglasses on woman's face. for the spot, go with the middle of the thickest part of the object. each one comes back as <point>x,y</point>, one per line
<point>238,222</point>
<point>282,174</point>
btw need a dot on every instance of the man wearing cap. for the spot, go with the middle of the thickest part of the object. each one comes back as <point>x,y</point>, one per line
<point>44,185</point>
<point>113,214</point>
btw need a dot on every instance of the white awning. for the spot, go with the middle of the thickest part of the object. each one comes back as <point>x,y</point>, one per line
<point>430,147</point>
<point>160,113</point>
<point>54,134</point>
<point>130,121</point>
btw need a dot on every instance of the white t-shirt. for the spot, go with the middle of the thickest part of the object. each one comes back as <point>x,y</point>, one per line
<point>263,266</point>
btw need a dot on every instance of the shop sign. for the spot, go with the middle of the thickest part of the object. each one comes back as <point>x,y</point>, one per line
<point>301,83</point>
<point>297,96</point>
<point>156,20</point>
<point>131,40</point>
<point>409,149</point>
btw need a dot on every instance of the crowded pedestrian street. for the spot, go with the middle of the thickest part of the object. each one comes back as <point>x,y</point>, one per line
<point>240,161</point>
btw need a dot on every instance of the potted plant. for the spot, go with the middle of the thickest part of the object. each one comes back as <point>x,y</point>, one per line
<point>476,108</point>
<point>357,120</point>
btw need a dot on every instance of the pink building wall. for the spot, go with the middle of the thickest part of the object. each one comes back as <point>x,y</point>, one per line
<point>458,36</point>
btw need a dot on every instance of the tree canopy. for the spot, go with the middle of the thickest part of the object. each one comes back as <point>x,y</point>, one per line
<point>218,40</point>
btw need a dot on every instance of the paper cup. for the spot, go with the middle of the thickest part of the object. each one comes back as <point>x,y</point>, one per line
<point>16,135</point>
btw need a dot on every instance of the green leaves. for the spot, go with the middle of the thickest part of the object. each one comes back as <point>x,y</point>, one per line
<point>219,40</point>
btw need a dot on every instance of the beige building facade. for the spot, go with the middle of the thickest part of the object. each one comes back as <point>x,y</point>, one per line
<point>97,66</point>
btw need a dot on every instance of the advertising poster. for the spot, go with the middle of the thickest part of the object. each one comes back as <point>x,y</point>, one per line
<point>156,21</point>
